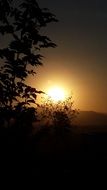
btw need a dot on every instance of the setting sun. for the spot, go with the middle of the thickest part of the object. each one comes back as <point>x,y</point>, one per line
<point>56,93</point>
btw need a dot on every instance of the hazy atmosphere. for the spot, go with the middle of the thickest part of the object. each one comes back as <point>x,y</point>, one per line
<point>53,89</point>
<point>79,63</point>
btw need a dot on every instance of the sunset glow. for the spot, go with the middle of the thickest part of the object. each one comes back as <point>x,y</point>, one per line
<point>56,93</point>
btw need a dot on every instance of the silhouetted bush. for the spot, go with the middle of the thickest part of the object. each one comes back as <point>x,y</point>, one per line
<point>59,114</point>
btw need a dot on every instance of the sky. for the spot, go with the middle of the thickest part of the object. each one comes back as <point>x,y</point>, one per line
<point>79,63</point>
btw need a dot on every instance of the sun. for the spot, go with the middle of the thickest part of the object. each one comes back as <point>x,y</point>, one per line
<point>56,93</point>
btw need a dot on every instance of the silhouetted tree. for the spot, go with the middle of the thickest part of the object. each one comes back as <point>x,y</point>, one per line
<point>60,114</point>
<point>23,20</point>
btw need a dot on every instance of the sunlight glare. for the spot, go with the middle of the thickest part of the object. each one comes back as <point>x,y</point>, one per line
<point>56,93</point>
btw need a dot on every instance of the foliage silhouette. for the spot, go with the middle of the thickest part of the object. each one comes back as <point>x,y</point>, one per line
<point>60,114</point>
<point>22,20</point>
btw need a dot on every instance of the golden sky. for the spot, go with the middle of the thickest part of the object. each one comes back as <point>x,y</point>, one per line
<point>79,63</point>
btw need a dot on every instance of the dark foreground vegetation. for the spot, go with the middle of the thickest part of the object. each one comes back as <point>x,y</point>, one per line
<point>50,150</point>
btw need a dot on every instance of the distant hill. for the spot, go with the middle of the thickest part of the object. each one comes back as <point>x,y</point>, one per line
<point>91,118</point>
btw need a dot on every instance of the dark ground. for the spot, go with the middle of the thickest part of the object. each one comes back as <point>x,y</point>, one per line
<point>48,152</point>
